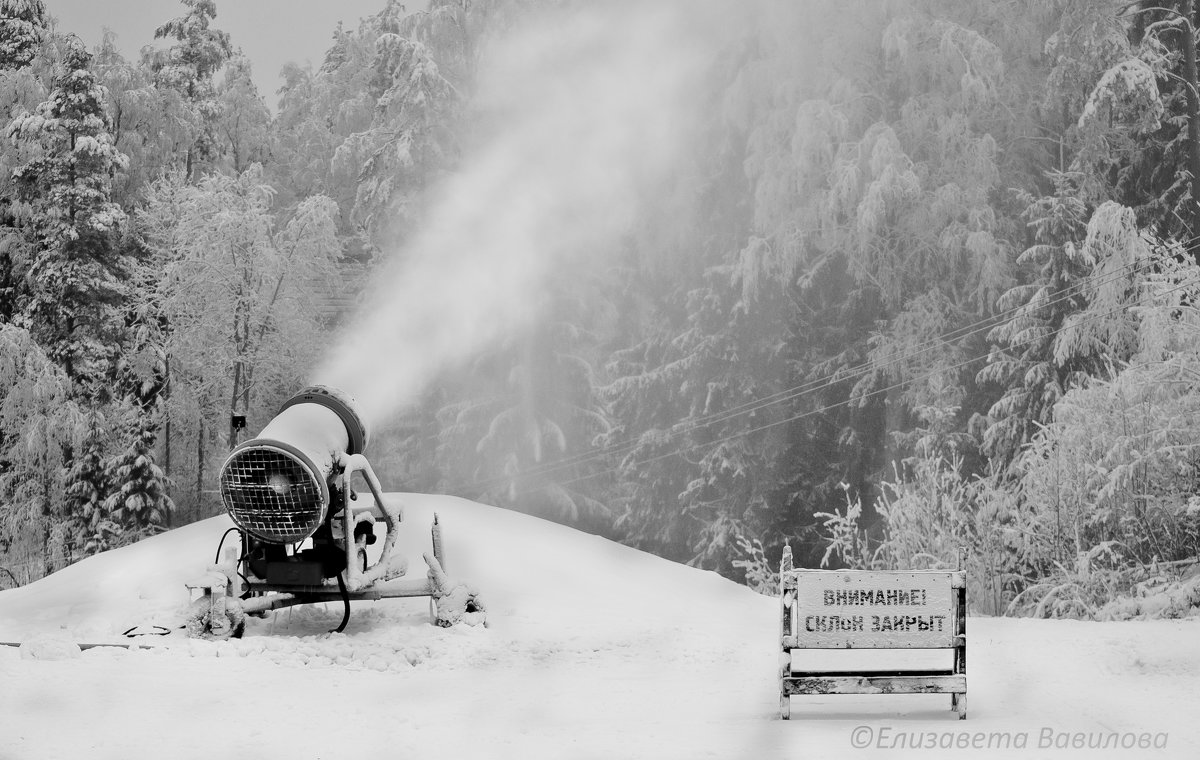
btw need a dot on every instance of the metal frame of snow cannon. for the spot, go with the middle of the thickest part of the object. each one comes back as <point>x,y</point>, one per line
<point>270,573</point>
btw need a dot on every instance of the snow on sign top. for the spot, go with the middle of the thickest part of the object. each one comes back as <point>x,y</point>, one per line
<point>874,610</point>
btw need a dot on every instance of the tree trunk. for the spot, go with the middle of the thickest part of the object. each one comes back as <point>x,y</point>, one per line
<point>200,470</point>
<point>165,396</point>
<point>1193,122</point>
<point>233,404</point>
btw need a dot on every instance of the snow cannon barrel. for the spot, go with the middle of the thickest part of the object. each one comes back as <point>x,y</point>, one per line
<point>277,486</point>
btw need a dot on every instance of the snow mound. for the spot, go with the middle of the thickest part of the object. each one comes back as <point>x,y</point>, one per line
<point>50,647</point>
<point>592,650</point>
<point>538,580</point>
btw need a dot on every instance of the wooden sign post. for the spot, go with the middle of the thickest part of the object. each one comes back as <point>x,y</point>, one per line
<point>862,609</point>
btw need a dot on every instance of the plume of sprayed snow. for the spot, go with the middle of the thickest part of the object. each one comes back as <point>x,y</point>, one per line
<point>583,112</point>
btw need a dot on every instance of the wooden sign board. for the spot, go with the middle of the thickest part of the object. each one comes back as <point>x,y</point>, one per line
<point>874,610</point>
<point>860,609</point>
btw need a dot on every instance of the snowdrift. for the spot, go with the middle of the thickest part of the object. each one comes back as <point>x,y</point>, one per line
<point>593,650</point>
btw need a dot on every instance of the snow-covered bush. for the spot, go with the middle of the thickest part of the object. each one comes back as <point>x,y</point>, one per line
<point>928,514</point>
<point>1106,486</point>
<point>37,422</point>
<point>759,574</point>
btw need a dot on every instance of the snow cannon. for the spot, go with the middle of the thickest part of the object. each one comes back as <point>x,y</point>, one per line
<point>304,532</point>
<point>279,486</point>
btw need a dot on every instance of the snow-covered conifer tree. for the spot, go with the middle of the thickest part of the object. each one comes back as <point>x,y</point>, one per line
<point>75,274</point>
<point>74,308</point>
<point>22,29</point>
<point>87,486</point>
<point>137,503</point>
<point>22,34</point>
<point>1022,358</point>
<point>187,68</point>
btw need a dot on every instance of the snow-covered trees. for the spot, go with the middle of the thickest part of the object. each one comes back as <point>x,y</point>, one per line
<point>238,296</point>
<point>241,129</point>
<point>529,412</point>
<point>184,73</point>
<point>76,306</point>
<point>22,30</point>
<point>1023,361</point>
<point>925,256</point>
<point>38,422</point>
<point>23,42</point>
<point>74,277</point>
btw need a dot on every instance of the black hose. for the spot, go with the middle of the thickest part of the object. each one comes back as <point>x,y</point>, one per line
<point>346,602</point>
<point>246,593</point>
<point>224,535</point>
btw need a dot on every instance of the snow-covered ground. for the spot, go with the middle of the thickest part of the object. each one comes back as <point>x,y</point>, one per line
<point>593,650</point>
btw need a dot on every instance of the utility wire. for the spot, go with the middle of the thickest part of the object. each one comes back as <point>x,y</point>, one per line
<point>844,402</point>
<point>819,384</point>
<point>850,374</point>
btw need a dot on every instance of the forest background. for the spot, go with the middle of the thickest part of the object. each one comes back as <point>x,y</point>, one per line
<point>927,280</point>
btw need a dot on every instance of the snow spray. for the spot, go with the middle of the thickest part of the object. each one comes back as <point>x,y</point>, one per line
<point>581,115</point>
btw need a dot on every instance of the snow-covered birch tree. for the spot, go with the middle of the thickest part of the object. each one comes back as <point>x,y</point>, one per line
<point>240,300</point>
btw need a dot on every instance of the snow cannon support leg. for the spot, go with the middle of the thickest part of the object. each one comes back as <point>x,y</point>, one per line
<point>454,602</point>
<point>217,614</point>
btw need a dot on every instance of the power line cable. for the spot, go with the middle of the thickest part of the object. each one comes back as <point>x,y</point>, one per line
<point>813,386</point>
<point>844,402</point>
<point>819,384</point>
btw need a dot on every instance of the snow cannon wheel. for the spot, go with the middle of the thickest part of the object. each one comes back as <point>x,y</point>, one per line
<point>226,623</point>
<point>453,602</point>
<point>460,604</point>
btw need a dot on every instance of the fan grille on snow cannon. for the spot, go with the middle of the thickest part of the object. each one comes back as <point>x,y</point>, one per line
<point>276,485</point>
<point>272,494</point>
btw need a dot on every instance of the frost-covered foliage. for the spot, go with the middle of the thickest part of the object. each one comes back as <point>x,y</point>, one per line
<point>22,29</point>
<point>38,422</point>
<point>933,515</point>
<point>675,398</point>
<point>1106,486</point>
<point>235,289</point>
<point>199,50</point>
<point>379,122</point>
<point>1128,92</point>
<point>873,200</point>
<point>87,484</point>
<point>1118,464</point>
<point>421,66</point>
<point>757,566</point>
<point>517,445</point>
<point>1069,321</point>
<point>137,504</point>
<point>242,128</point>
<point>1102,487</point>
<point>75,270</point>
<point>1131,138</point>
<point>185,71</point>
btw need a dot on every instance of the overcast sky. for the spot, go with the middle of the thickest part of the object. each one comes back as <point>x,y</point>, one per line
<point>271,32</point>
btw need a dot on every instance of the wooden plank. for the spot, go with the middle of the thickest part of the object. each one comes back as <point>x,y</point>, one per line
<point>874,685</point>
<point>874,610</point>
<point>896,672</point>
